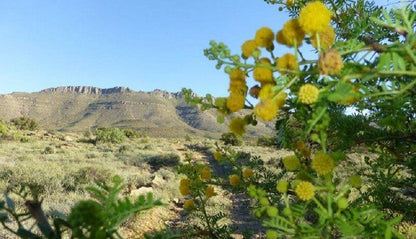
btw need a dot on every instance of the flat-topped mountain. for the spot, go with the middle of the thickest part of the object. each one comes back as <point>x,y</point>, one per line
<point>79,108</point>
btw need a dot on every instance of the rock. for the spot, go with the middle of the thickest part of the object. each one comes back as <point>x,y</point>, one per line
<point>158,181</point>
<point>141,191</point>
<point>87,90</point>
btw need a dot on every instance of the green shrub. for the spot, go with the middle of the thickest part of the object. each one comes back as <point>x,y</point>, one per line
<point>266,141</point>
<point>109,135</point>
<point>163,160</point>
<point>25,123</point>
<point>131,133</point>
<point>231,139</point>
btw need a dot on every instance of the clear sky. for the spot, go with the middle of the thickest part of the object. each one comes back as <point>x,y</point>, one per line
<point>141,44</point>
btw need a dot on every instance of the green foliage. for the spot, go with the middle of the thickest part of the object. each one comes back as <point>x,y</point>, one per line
<point>266,141</point>
<point>25,123</point>
<point>99,217</point>
<point>376,80</point>
<point>163,160</point>
<point>131,133</point>
<point>109,135</point>
<point>231,139</point>
<point>102,216</point>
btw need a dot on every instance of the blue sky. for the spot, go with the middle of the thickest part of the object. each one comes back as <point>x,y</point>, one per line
<point>139,44</point>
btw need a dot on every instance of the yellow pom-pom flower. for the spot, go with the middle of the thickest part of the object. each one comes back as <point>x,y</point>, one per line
<point>287,63</point>
<point>264,37</point>
<point>266,92</point>
<point>189,204</point>
<point>280,99</point>
<point>248,173</point>
<point>209,191</point>
<point>314,17</point>
<point>205,173</point>
<point>217,155</point>
<point>322,163</point>
<point>235,102</point>
<point>330,62</point>
<point>238,87</point>
<point>280,38</point>
<point>305,190</point>
<point>326,38</point>
<point>308,94</point>
<point>234,180</point>
<point>291,163</point>
<point>266,109</point>
<point>292,33</point>
<point>237,75</point>
<point>184,186</point>
<point>238,126</point>
<point>248,48</point>
<point>261,74</point>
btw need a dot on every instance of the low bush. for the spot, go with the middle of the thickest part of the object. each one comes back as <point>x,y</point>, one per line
<point>25,123</point>
<point>109,135</point>
<point>231,139</point>
<point>163,160</point>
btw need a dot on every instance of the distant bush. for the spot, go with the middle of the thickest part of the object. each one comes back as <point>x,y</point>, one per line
<point>25,123</point>
<point>231,139</point>
<point>109,135</point>
<point>163,160</point>
<point>48,150</point>
<point>131,133</point>
<point>267,141</point>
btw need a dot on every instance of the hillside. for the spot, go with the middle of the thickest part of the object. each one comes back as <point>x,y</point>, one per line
<point>79,108</point>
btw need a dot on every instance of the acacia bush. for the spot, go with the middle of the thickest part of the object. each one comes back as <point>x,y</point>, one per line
<point>231,139</point>
<point>360,66</point>
<point>25,123</point>
<point>109,135</point>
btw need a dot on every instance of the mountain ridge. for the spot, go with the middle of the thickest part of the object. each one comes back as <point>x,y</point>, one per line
<point>80,108</point>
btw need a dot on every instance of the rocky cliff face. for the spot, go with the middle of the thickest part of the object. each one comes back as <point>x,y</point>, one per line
<point>79,108</point>
<point>87,90</point>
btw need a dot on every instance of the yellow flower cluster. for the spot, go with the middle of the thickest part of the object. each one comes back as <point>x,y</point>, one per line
<point>217,155</point>
<point>237,89</point>
<point>189,204</point>
<point>330,62</point>
<point>270,103</point>
<point>248,48</point>
<point>205,173</point>
<point>322,163</point>
<point>184,186</point>
<point>262,74</point>
<point>287,63</point>
<point>326,38</point>
<point>305,190</point>
<point>237,126</point>
<point>248,173</point>
<point>291,34</point>
<point>235,102</point>
<point>308,94</point>
<point>264,37</point>
<point>234,180</point>
<point>291,163</point>
<point>209,191</point>
<point>314,18</point>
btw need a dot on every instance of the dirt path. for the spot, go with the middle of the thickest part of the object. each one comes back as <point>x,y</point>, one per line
<point>241,216</point>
